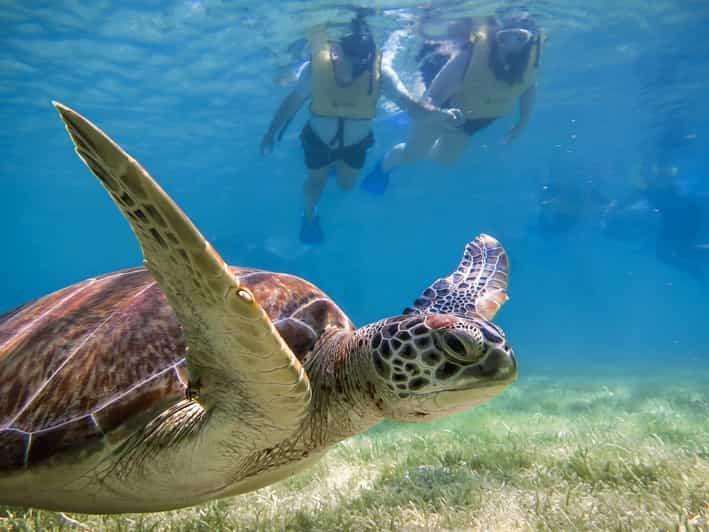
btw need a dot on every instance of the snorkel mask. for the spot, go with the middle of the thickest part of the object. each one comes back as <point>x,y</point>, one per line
<point>514,40</point>
<point>359,47</point>
<point>516,34</point>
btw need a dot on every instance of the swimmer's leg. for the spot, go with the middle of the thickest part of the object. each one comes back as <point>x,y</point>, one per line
<point>346,175</point>
<point>310,231</point>
<point>450,147</point>
<point>422,137</point>
<point>313,189</point>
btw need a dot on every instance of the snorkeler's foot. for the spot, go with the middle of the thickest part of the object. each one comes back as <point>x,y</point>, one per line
<point>311,232</point>
<point>376,181</point>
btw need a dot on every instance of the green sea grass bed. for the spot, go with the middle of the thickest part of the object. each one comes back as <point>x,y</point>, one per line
<point>549,454</point>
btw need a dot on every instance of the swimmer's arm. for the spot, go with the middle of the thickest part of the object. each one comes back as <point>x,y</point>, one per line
<point>449,79</point>
<point>526,104</point>
<point>288,108</point>
<point>285,112</point>
<point>393,87</point>
<point>395,90</point>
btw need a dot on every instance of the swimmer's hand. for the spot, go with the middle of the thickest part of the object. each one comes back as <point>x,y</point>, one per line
<point>267,143</point>
<point>456,118</point>
<point>448,118</point>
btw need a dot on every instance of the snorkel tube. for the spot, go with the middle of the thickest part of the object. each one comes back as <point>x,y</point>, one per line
<point>359,46</point>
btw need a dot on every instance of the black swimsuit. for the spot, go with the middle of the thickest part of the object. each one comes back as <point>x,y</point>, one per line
<point>318,154</point>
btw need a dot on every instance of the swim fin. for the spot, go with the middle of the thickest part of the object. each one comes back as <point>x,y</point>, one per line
<point>311,232</point>
<point>376,181</point>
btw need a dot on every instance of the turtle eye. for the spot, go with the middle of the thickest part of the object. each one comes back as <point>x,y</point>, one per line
<point>454,344</point>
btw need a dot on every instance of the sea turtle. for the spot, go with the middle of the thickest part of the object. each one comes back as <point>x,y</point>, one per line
<point>161,387</point>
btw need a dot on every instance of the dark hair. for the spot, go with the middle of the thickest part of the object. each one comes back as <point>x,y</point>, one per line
<point>359,45</point>
<point>432,57</point>
<point>517,64</point>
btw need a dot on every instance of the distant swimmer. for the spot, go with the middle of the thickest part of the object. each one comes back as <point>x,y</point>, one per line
<point>680,229</point>
<point>681,219</point>
<point>483,75</point>
<point>343,80</point>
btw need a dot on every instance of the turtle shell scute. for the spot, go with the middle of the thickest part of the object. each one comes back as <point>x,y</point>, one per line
<point>299,310</point>
<point>94,362</point>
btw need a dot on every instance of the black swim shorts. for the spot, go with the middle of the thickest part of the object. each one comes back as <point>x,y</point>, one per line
<point>472,126</point>
<point>318,154</point>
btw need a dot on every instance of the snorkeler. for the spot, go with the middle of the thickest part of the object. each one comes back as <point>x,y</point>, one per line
<point>681,219</point>
<point>494,66</point>
<point>343,80</point>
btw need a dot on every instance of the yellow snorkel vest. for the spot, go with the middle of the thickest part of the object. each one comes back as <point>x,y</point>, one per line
<point>485,96</point>
<point>357,101</point>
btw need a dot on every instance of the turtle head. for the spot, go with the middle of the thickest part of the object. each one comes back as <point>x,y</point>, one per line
<point>433,365</point>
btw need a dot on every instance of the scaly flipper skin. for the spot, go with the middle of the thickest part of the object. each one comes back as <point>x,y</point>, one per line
<point>235,357</point>
<point>479,284</point>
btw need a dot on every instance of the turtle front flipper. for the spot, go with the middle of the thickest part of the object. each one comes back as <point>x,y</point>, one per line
<point>479,284</point>
<point>236,359</point>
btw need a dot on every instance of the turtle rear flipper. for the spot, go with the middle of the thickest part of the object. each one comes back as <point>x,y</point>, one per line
<point>236,359</point>
<point>479,284</point>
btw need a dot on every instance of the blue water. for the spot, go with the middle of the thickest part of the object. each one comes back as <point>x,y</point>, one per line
<point>189,87</point>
